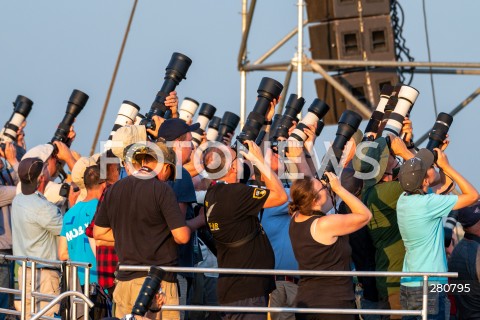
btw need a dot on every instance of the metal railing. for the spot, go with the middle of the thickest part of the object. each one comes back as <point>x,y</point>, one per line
<point>30,263</point>
<point>424,275</point>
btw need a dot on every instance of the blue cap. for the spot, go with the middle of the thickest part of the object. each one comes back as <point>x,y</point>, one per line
<point>173,128</point>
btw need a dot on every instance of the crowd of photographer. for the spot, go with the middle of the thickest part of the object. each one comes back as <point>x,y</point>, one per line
<point>170,189</point>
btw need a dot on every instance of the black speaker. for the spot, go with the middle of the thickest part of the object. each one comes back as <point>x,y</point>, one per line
<point>365,86</point>
<point>342,39</point>
<point>324,10</point>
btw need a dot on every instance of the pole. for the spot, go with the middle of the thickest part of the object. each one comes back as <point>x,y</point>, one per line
<point>112,82</point>
<point>300,49</point>
<point>243,72</point>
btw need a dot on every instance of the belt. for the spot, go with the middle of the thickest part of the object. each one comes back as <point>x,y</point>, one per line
<point>286,278</point>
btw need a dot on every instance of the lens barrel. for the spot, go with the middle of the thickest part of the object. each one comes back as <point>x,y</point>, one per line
<point>212,131</point>
<point>317,110</point>
<point>176,71</point>
<point>21,109</point>
<point>204,115</point>
<point>438,134</point>
<point>149,289</point>
<point>75,105</point>
<point>228,124</point>
<point>377,115</point>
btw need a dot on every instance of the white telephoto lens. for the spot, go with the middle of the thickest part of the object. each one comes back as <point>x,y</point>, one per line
<point>127,113</point>
<point>212,134</point>
<point>187,109</point>
<point>9,133</point>
<point>203,122</point>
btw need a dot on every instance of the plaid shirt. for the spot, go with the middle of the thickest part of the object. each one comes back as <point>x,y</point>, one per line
<point>107,259</point>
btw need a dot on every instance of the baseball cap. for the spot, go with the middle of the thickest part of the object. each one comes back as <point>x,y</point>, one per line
<point>29,170</point>
<point>469,216</point>
<point>413,171</point>
<point>78,172</point>
<point>126,136</point>
<point>173,128</point>
<point>380,154</point>
<point>158,150</point>
<point>42,151</point>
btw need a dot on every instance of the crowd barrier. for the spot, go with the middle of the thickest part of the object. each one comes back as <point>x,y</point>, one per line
<point>423,313</point>
<point>70,272</point>
<point>71,268</point>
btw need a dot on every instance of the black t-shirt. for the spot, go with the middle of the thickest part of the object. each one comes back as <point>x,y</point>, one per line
<point>232,215</point>
<point>141,213</point>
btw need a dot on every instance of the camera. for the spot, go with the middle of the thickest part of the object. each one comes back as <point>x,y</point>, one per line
<point>347,125</point>
<point>75,105</point>
<point>268,90</point>
<point>439,131</point>
<point>127,114</point>
<point>405,100</point>
<point>282,123</point>
<point>176,71</point>
<point>317,110</point>
<point>21,108</point>
<point>212,131</point>
<point>377,115</point>
<point>149,289</point>
<point>228,124</point>
<point>187,109</point>
<point>204,115</point>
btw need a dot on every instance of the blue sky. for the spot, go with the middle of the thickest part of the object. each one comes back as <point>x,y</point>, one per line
<point>49,48</point>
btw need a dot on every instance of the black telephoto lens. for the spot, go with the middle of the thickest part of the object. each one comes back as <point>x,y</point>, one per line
<point>268,90</point>
<point>439,131</point>
<point>149,289</point>
<point>320,126</point>
<point>347,125</point>
<point>293,107</point>
<point>228,125</point>
<point>377,115</point>
<point>75,105</point>
<point>176,71</point>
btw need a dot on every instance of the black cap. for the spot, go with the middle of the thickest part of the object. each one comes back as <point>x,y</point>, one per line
<point>469,216</point>
<point>29,170</point>
<point>171,129</point>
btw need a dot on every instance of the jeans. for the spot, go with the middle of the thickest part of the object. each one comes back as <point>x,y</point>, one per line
<point>438,304</point>
<point>249,302</point>
<point>283,296</point>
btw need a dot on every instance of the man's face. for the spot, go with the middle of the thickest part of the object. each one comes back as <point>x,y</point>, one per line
<point>52,166</point>
<point>430,177</point>
<point>184,148</point>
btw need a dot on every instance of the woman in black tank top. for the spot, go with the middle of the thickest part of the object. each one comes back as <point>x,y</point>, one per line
<point>320,242</point>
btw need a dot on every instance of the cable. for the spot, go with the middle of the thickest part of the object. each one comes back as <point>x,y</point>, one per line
<point>429,58</point>
<point>112,82</point>
<point>401,50</point>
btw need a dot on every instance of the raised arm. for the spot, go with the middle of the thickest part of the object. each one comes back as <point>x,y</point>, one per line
<point>277,196</point>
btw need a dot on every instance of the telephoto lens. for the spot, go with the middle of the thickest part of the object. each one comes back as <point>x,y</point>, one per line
<point>212,131</point>
<point>187,109</point>
<point>448,227</point>
<point>176,71</point>
<point>377,115</point>
<point>75,105</point>
<point>204,115</point>
<point>228,124</point>
<point>21,109</point>
<point>293,107</point>
<point>320,126</point>
<point>406,99</point>
<point>268,90</point>
<point>347,125</point>
<point>126,115</point>
<point>439,131</point>
<point>317,110</point>
<point>147,293</point>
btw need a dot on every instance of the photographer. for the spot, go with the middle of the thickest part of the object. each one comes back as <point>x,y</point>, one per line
<point>232,214</point>
<point>8,180</point>
<point>421,226</point>
<point>380,195</point>
<point>140,213</point>
<point>320,242</point>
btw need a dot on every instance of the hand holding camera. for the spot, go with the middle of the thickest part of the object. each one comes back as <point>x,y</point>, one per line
<point>153,130</point>
<point>442,160</point>
<point>254,154</point>
<point>9,153</point>
<point>171,102</point>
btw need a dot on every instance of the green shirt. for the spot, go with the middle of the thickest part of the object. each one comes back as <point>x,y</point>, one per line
<point>381,200</point>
